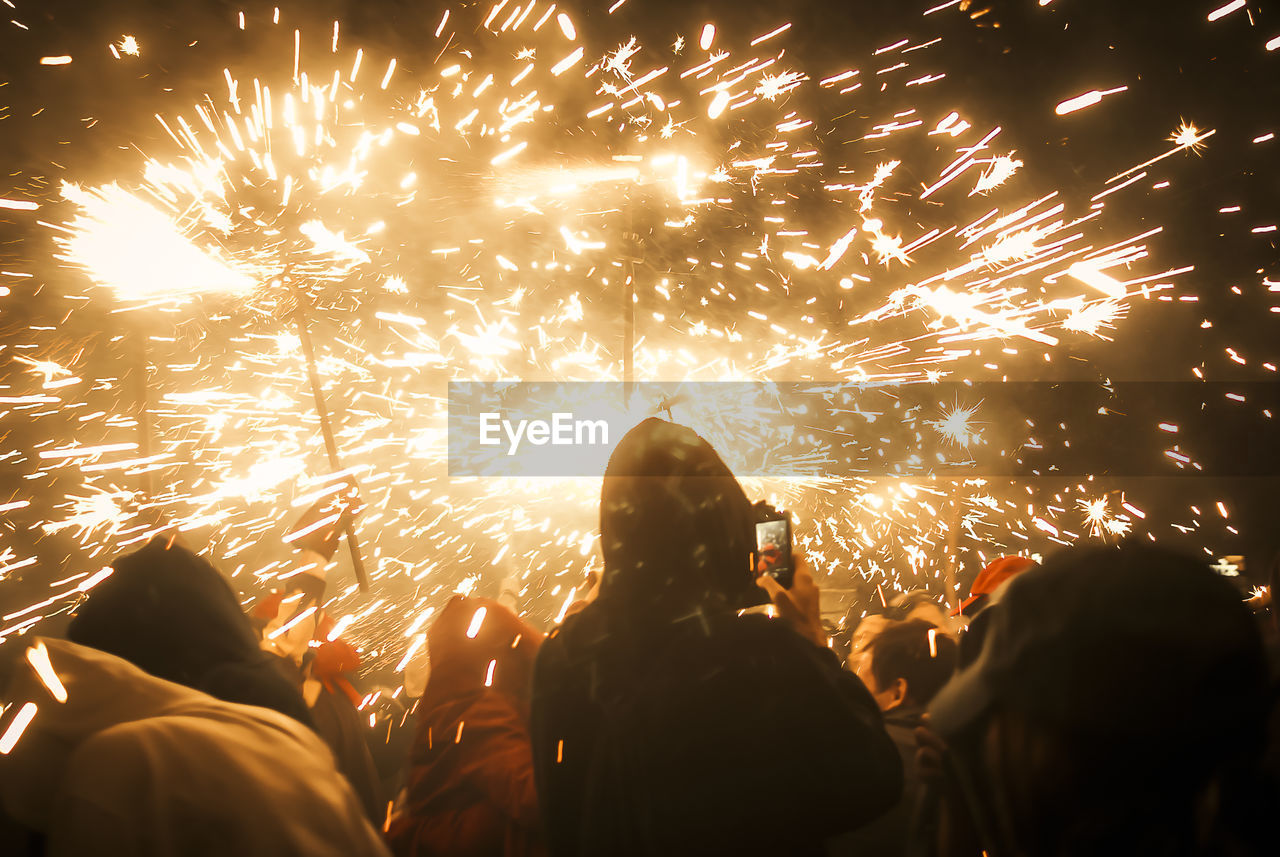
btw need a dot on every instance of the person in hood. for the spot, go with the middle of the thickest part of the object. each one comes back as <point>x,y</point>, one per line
<point>115,762</point>
<point>665,723</point>
<point>1118,706</point>
<point>172,613</point>
<point>471,789</point>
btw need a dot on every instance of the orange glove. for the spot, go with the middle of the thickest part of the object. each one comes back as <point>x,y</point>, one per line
<point>333,660</point>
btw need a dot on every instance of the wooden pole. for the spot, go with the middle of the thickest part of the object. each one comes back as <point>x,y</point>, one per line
<point>951,566</point>
<point>142,405</point>
<point>634,255</point>
<point>326,429</point>
<point>629,333</point>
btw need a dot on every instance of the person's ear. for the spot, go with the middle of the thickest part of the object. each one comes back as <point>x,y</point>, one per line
<point>899,691</point>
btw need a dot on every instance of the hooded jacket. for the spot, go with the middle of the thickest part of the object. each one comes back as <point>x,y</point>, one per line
<point>170,612</point>
<point>133,765</point>
<point>471,787</point>
<point>666,724</point>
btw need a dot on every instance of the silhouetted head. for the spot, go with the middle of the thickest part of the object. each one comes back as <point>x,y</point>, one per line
<point>676,528</point>
<point>906,664</point>
<point>477,643</point>
<point>170,612</point>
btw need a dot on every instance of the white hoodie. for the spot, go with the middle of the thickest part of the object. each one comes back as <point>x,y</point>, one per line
<point>132,764</point>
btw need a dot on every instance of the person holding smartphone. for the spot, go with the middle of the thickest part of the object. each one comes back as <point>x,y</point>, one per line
<point>664,721</point>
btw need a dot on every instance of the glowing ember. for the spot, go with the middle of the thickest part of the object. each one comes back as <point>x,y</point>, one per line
<point>20,722</point>
<point>38,657</point>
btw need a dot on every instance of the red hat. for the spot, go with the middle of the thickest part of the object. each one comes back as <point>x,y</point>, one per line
<point>992,577</point>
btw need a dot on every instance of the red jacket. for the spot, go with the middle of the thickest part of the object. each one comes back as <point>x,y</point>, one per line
<point>471,789</point>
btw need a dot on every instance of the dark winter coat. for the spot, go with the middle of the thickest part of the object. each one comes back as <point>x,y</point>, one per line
<point>889,835</point>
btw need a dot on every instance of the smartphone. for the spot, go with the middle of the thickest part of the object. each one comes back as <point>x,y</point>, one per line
<point>773,545</point>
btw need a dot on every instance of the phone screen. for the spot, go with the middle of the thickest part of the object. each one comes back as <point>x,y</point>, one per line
<point>773,549</point>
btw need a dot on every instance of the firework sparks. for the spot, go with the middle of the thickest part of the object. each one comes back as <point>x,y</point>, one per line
<point>127,47</point>
<point>1099,520</point>
<point>1088,99</point>
<point>1188,137</point>
<point>419,208</point>
<point>957,425</point>
<point>133,248</point>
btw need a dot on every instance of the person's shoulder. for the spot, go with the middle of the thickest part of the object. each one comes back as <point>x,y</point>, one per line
<point>587,622</point>
<point>902,733</point>
<point>236,728</point>
<point>902,717</point>
<point>771,636</point>
<point>119,747</point>
<point>492,716</point>
<point>249,768</point>
<point>115,765</point>
<point>474,707</point>
<point>756,624</point>
<point>267,753</point>
<point>573,640</point>
<point>214,721</point>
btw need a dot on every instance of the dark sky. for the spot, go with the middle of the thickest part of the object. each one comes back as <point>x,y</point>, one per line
<point>1008,62</point>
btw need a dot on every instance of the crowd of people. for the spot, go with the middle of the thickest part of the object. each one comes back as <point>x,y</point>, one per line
<point>1107,701</point>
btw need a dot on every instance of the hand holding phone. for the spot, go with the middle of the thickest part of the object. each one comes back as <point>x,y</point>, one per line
<point>773,545</point>
<point>800,606</point>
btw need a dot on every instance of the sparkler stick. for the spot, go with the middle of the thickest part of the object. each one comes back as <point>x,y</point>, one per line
<point>326,429</point>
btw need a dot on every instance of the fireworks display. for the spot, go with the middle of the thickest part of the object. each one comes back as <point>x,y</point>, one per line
<point>491,206</point>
